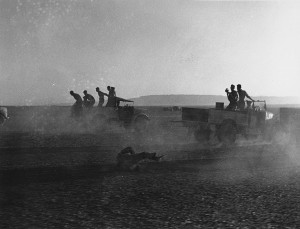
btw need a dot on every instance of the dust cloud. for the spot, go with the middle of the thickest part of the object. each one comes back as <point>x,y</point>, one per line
<point>52,126</point>
<point>52,120</point>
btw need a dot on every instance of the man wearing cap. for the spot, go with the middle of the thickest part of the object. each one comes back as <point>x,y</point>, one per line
<point>232,97</point>
<point>88,100</point>
<point>242,95</point>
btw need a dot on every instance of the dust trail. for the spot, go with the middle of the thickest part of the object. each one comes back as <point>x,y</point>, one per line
<point>56,120</point>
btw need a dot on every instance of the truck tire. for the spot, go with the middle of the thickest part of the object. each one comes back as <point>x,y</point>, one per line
<point>227,133</point>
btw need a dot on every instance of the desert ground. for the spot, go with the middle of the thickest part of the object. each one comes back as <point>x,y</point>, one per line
<point>56,173</point>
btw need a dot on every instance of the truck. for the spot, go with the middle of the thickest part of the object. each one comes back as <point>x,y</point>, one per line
<point>224,125</point>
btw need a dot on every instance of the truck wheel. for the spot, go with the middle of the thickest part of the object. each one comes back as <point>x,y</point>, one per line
<point>202,135</point>
<point>227,133</point>
<point>141,124</point>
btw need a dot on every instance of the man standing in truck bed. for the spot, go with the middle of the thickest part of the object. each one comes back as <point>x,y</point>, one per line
<point>232,97</point>
<point>242,95</point>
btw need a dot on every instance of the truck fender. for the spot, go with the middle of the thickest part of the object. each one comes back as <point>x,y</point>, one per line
<point>141,115</point>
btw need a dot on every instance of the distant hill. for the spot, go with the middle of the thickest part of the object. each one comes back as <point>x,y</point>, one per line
<point>196,100</point>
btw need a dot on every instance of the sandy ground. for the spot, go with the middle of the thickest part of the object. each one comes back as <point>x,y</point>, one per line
<point>67,180</point>
<point>253,193</point>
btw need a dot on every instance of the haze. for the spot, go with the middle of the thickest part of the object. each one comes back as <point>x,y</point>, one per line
<point>141,47</point>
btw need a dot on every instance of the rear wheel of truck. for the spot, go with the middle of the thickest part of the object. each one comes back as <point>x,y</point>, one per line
<point>227,133</point>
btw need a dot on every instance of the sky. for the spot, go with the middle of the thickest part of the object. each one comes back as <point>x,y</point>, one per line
<point>146,47</point>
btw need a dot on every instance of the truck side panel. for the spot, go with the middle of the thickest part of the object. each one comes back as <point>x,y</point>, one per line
<point>195,114</point>
<point>217,116</point>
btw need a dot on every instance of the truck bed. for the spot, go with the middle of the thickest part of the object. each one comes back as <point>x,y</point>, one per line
<point>214,116</point>
<point>195,114</point>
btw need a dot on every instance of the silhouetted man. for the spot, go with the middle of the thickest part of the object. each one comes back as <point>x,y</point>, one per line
<point>232,97</point>
<point>77,106</point>
<point>111,102</point>
<point>101,97</point>
<point>88,100</point>
<point>242,95</point>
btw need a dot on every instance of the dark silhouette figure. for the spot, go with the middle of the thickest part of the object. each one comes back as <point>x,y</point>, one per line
<point>111,102</point>
<point>232,97</point>
<point>76,110</point>
<point>128,159</point>
<point>88,100</point>
<point>101,97</point>
<point>3,115</point>
<point>242,95</point>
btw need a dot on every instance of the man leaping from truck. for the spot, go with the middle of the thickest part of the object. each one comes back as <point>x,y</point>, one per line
<point>232,97</point>
<point>242,95</point>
